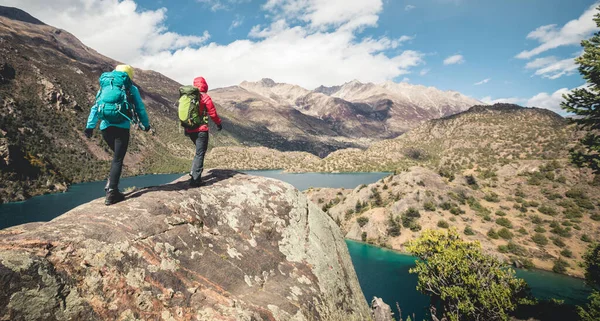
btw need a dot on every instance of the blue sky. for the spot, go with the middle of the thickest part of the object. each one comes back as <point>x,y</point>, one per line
<point>487,45</point>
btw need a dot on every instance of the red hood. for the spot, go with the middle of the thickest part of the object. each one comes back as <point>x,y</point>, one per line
<point>201,84</point>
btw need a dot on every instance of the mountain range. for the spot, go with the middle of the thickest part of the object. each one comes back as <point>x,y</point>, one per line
<point>354,110</point>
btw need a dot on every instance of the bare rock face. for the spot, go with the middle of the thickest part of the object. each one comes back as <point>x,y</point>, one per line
<point>381,311</point>
<point>238,248</point>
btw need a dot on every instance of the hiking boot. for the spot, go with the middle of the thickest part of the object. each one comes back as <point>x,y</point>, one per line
<point>113,196</point>
<point>195,183</point>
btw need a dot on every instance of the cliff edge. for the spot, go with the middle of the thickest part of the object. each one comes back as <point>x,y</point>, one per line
<point>239,248</point>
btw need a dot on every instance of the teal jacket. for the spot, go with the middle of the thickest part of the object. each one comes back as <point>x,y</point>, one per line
<point>140,109</point>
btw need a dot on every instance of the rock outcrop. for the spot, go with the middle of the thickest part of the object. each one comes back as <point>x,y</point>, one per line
<point>381,311</point>
<point>238,248</point>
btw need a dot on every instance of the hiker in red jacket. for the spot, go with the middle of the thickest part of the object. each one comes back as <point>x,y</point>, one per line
<point>199,135</point>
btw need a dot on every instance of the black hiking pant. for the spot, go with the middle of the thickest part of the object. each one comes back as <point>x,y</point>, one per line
<point>118,141</point>
<point>200,139</point>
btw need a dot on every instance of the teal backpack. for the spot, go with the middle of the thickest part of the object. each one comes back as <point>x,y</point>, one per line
<point>112,99</point>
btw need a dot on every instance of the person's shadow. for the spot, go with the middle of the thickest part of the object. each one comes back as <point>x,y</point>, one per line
<point>214,176</point>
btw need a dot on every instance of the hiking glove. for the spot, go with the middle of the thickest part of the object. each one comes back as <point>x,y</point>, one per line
<point>219,126</point>
<point>88,132</point>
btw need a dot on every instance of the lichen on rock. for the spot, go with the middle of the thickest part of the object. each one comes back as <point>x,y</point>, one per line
<point>239,248</point>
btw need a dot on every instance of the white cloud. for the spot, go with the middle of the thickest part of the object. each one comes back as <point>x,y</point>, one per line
<point>424,72</point>
<point>348,14</point>
<point>289,55</point>
<point>238,21</point>
<point>409,7</point>
<point>545,100</point>
<point>485,81</point>
<point>456,59</point>
<point>549,101</point>
<point>87,19</point>
<point>406,38</point>
<point>513,100</point>
<point>216,5</point>
<point>318,46</point>
<point>541,62</point>
<point>552,68</point>
<point>406,79</point>
<point>551,37</point>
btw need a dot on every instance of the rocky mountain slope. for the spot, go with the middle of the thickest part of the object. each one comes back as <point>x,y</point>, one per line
<point>482,137</point>
<point>239,248</point>
<point>499,174</point>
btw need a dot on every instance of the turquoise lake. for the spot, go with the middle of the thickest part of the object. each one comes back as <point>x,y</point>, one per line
<point>381,272</point>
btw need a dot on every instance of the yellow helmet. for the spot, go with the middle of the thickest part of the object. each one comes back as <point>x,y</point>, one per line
<point>126,69</point>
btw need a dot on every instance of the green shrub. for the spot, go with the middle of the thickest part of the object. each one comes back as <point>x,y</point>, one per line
<point>492,234</point>
<point>516,249</point>
<point>362,221</point>
<point>492,197</point>
<point>363,236</point>
<point>585,203</point>
<point>393,228</point>
<point>443,224</point>
<point>536,220</point>
<point>460,265</point>
<point>520,193</point>
<point>456,211</point>
<point>472,182</point>
<point>560,266</point>
<point>576,194</point>
<point>566,253</point>
<point>557,241</point>
<point>469,230</point>
<point>591,311</point>
<point>505,233</point>
<point>534,180</point>
<point>500,213</point>
<point>447,173</point>
<point>526,263</point>
<point>561,231</point>
<point>446,206</point>
<point>595,217</point>
<point>586,238</point>
<point>504,222</point>
<point>539,239</point>
<point>547,210</point>
<point>429,206</point>
<point>376,197</point>
<point>349,213</point>
<point>540,229</point>
<point>522,231</point>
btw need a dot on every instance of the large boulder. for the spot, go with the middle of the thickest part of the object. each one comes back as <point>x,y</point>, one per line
<point>239,248</point>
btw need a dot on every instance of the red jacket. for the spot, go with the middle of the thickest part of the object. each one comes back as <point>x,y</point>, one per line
<point>205,102</point>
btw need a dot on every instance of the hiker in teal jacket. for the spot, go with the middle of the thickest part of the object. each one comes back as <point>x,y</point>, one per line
<point>116,134</point>
<point>140,109</point>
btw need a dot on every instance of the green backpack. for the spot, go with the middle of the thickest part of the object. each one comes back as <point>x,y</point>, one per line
<point>189,107</point>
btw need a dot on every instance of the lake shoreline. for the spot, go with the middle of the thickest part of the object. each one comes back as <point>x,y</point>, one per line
<point>511,265</point>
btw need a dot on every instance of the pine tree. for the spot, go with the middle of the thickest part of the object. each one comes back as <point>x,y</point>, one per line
<point>585,103</point>
<point>591,312</point>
